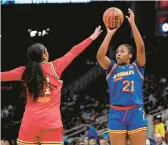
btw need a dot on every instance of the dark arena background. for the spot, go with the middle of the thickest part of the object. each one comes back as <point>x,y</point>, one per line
<point>60,25</point>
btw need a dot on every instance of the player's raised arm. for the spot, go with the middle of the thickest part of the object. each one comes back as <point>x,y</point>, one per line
<point>103,60</point>
<point>12,75</point>
<point>64,61</point>
<point>141,58</point>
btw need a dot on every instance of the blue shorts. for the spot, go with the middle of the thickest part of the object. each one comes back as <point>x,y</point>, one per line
<point>131,121</point>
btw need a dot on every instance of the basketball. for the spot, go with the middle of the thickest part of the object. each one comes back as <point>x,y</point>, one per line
<point>113,18</point>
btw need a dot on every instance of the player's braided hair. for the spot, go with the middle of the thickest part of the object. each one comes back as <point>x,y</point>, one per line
<point>33,77</point>
<point>130,49</point>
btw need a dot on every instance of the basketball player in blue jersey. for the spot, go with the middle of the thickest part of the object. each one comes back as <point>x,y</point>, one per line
<point>125,80</point>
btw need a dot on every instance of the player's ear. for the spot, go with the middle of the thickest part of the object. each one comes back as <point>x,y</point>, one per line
<point>130,56</point>
<point>43,56</point>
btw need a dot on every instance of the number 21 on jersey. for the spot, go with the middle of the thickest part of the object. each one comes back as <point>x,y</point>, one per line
<point>129,86</point>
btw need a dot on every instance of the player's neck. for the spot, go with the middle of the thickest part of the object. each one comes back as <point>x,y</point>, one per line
<point>44,62</point>
<point>124,64</point>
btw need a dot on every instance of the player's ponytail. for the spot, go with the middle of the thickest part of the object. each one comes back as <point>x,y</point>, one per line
<point>33,77</point>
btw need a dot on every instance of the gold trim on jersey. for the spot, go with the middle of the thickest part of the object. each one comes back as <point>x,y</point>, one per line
<point>138,70</point>
<point>54,72</point>
<point>116,131</point>
<point>114,66</point>
<point>137,130</point>
<point>56,143</point>
<point>26,142</point>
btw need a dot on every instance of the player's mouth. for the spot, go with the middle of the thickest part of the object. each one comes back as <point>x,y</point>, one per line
<point>118,58</point>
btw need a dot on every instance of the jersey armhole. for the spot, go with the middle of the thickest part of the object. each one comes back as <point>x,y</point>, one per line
<point>111,69</point>
<point>139,68</point>
<point>54,72</point>
<point>112,63</point>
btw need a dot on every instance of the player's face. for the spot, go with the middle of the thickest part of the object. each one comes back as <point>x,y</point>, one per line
<point>123,55</point>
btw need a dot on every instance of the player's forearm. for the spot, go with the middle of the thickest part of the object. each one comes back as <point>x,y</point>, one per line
<point>64,61</point>
<point>79,48</point>
<point>5,76</point>
<point>137,36</point>
<point>12,75</point>
<point>104,46</point>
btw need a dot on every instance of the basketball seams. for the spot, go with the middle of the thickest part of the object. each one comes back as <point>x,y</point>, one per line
<point>118,16</point>
<point>112,19</point>
<point>107,16</point>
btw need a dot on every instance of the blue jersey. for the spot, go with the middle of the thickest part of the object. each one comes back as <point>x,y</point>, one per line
<point>125,84</point>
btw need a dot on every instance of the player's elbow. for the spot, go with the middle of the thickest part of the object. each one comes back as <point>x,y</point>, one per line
<point>141,51</point>
<point>99,56</point>
<point>99,59</point>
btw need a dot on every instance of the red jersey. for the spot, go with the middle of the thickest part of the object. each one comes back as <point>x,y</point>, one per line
<point>45,112</point>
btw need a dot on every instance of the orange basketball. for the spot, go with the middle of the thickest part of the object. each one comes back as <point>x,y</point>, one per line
<point>113,17</point>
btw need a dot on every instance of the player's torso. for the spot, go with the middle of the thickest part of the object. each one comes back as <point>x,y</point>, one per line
<point>47,107</point>
<point>125,86</point>
<point>52,86</point>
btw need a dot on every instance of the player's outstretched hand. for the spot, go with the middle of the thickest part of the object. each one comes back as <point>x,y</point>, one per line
<point>96,33</point>
<point>131,17</point>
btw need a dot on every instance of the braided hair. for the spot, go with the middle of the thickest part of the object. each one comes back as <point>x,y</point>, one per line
<point>33,77</point>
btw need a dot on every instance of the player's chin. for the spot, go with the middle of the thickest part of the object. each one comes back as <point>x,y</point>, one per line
<point>119,62</point>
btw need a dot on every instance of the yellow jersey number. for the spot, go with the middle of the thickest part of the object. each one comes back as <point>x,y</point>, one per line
<point>126,88</point>
<point>47,91</point>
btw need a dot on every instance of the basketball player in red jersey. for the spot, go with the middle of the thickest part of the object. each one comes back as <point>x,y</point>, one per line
<point>41,122</point>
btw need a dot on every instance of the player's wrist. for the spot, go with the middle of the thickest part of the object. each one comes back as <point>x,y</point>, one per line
<point>110,34</point>
<point>132,23</point>
<point>92,37</point>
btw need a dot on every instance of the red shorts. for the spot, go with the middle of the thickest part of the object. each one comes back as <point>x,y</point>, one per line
<point>36,136</point>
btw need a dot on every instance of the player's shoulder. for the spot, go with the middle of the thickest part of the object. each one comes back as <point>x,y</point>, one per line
<point>44,65</point>
<point>136,63</point>
<point>55,62</point>
<point>112,65</point>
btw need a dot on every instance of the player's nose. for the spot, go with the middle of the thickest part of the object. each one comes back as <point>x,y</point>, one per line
<point>118,54</point>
